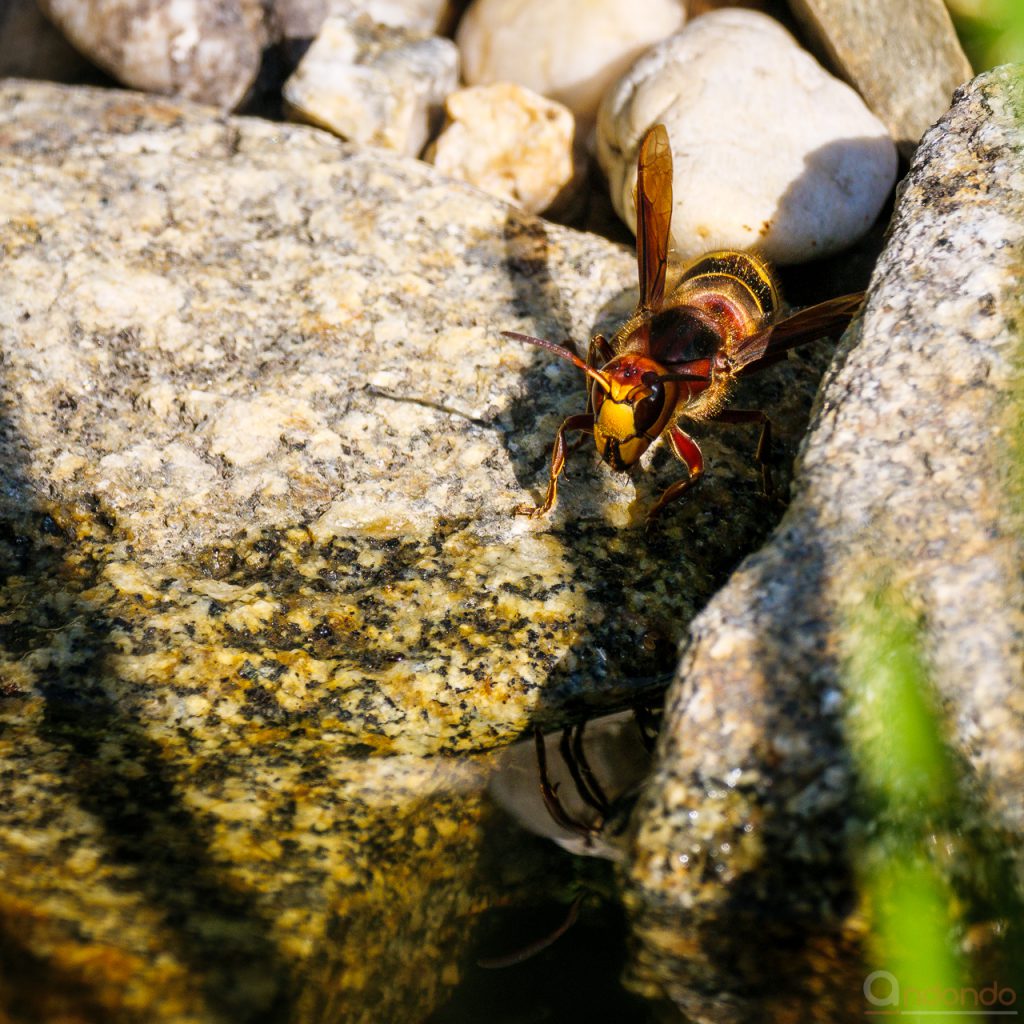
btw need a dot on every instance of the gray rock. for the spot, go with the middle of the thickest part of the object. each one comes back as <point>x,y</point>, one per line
<point>208,51</point>
<point>260,442</point>
<point>905,58</point>
<point>743,831</point>
<point>513,143</point>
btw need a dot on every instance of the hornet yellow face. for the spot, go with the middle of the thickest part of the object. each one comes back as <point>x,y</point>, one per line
<point>632,410</point>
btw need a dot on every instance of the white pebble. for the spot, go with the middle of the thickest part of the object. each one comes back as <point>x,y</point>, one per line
<point>570,51</point>
<point>304,18</point>
<point>770,151</point>
<point>374,84</point>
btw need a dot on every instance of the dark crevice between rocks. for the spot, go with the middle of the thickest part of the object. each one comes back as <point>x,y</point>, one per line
<point>120,777</point>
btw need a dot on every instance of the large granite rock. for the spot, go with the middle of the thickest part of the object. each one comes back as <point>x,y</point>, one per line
<point>261,441</point>
<point>741,890</point>
<point>257,388</point>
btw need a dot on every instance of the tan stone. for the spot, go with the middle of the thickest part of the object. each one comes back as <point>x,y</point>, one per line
<point>510,142</point>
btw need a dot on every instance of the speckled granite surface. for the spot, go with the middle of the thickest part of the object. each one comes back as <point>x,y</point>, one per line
<point>255,380</point>
<point>261,441</point>
<point>740,886</point>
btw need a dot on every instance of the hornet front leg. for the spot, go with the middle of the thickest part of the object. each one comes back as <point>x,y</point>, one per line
<point>583,422</point>
<point>599,353</point>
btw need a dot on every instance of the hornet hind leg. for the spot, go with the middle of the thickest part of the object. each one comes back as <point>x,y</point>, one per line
<point>764,442</point>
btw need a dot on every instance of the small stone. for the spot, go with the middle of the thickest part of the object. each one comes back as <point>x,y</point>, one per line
<point>374,84</point>
<point>770,151</point>
<point>303,19</point>
<point>571,51</point>
<point>209,52</point>
<point>510,142</point>
<point>617,758</point>
<point>905,59</point>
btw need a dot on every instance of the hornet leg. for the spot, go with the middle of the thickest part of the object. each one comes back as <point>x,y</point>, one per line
<point>764,441</point>
<point>583,422</point>
<point>599,352</point>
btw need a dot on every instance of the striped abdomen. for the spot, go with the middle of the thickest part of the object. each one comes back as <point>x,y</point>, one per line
<point>720,298</point>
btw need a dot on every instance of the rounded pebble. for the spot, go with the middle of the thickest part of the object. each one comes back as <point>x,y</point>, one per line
<point>570,51</point>
<point>209,52</point>
<point>770,151</point>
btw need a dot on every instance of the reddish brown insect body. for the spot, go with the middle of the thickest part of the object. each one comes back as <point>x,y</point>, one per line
<point>679,356</point>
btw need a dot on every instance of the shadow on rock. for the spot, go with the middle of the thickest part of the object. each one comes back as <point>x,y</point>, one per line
<point>101,782</point>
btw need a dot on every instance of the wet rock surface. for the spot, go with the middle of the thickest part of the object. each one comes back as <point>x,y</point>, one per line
<point>261,442</point>
<point>744,828</point>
